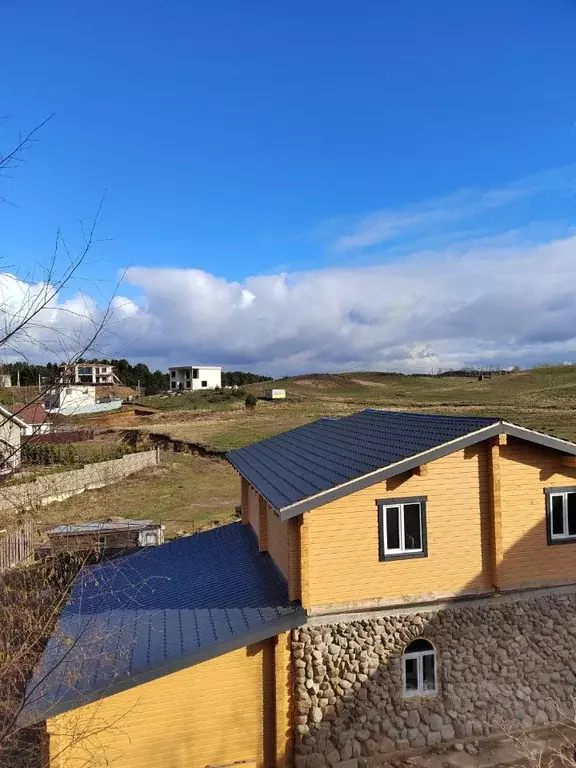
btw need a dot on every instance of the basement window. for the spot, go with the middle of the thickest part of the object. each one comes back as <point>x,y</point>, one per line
<point>402,528</point>
<point>419,669</point>
<point>561,515</point>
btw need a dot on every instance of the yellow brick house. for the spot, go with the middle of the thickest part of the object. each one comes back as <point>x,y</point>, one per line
<point>397,580</point>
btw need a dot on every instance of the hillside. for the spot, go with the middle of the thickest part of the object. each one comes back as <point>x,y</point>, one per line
<point>190,491</point>
<point>541,398</point>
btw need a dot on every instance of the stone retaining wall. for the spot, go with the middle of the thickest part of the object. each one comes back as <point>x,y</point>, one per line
<point>500,665</point>
<point>61,485</point>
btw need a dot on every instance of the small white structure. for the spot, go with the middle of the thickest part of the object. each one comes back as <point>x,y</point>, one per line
<point>193,377</point>
<point>5,380</point>
<point>74,399</point>
<point>275,394</point>
<point>88,373</point>
<point>69,398</point>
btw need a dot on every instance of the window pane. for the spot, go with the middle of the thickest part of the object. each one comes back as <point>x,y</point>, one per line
<point>428,663</point>
<point>412,534</point>
<point>557,516</point>
<point>392,528</point>
<point>571,514</point>
<point>411,674</point>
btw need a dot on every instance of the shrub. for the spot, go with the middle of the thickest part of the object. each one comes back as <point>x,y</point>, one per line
<point>250,402</point>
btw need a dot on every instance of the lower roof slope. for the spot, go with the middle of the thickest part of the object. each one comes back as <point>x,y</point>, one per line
<point>157,611</point>
<point>295,465</point>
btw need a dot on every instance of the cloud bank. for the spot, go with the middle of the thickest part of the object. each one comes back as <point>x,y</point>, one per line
<point>505,306</point>
<point>501,299</point>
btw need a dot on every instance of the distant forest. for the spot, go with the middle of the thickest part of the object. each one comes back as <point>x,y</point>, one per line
<point>151,382</point>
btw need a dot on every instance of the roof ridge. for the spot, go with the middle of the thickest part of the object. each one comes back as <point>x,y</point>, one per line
<point>429,415</point>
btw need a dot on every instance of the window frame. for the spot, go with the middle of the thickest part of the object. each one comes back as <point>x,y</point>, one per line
<point>401,554</point>
<point>419,656</point>
<point>555,538</point>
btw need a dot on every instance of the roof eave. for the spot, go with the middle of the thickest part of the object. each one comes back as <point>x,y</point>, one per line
<point>523,433</point>
<point>167,667</point>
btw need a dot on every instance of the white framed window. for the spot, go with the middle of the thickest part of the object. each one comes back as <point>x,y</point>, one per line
<point>419,669</point>
<point>561,515</point>
<point>204,383</point>
<point>402,528</point>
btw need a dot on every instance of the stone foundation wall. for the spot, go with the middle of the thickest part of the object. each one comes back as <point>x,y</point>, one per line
<point>508,664</point>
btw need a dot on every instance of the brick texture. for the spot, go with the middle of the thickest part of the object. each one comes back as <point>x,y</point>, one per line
<point>214,713</point>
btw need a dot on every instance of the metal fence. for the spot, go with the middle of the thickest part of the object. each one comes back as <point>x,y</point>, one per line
<point>16,545</point>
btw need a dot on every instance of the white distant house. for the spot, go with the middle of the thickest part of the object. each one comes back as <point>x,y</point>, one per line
<point>195,377</point>
<point>75,399</point>
<point>70,398</point>
<point>12,429</point>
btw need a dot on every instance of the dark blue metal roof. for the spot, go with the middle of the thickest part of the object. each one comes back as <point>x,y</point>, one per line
<point>156,611</point>
<point>305,461</point>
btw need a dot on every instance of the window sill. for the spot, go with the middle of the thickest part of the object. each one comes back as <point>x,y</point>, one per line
<point>419,694</point>
<point>564,540</point>
<point>402,555</point>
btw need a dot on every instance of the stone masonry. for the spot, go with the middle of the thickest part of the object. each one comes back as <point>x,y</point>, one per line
<point>508,664</point>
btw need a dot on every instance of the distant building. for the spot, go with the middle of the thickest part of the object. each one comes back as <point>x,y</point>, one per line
<point>35,416</point>
<point>275,394</point>
<point>75,399</point>
<point>12,430</point>
<point>70,398</point>
<point>105,537</point>
<point>89,373</point>
<point>195,377</point>
<point>5,380</point>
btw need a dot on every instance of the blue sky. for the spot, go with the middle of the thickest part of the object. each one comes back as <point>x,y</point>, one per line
<point>258,138</point>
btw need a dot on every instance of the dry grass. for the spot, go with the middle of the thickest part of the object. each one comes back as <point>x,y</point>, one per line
<point>184,492</point>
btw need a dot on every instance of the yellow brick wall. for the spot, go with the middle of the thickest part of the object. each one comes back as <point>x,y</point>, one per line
<point>214,713</point>
<point>525,471</point>
<point>339,540</point>
<point>277,540</point>
<point>253,513</point>
<point>294,564</point>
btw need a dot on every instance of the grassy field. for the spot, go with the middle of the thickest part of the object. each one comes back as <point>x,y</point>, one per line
<point>188,491</point>
<point>543,399</point>
<point>185,492</point>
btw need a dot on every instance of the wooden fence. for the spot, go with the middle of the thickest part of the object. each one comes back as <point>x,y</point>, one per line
<point>16,546</point>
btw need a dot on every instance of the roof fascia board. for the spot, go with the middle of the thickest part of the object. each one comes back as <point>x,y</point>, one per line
<point>283,624</point>
<point>392,470</point>
<point>523,433</point>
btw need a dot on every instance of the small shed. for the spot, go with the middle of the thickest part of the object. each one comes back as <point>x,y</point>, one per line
<point>275,394</point>
<point>109,536</point>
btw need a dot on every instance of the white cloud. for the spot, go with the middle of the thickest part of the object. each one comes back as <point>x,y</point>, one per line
<point>504,299</point>
<point>505,305</point>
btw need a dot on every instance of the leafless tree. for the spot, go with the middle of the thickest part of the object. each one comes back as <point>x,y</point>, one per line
<point>34,323</point>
